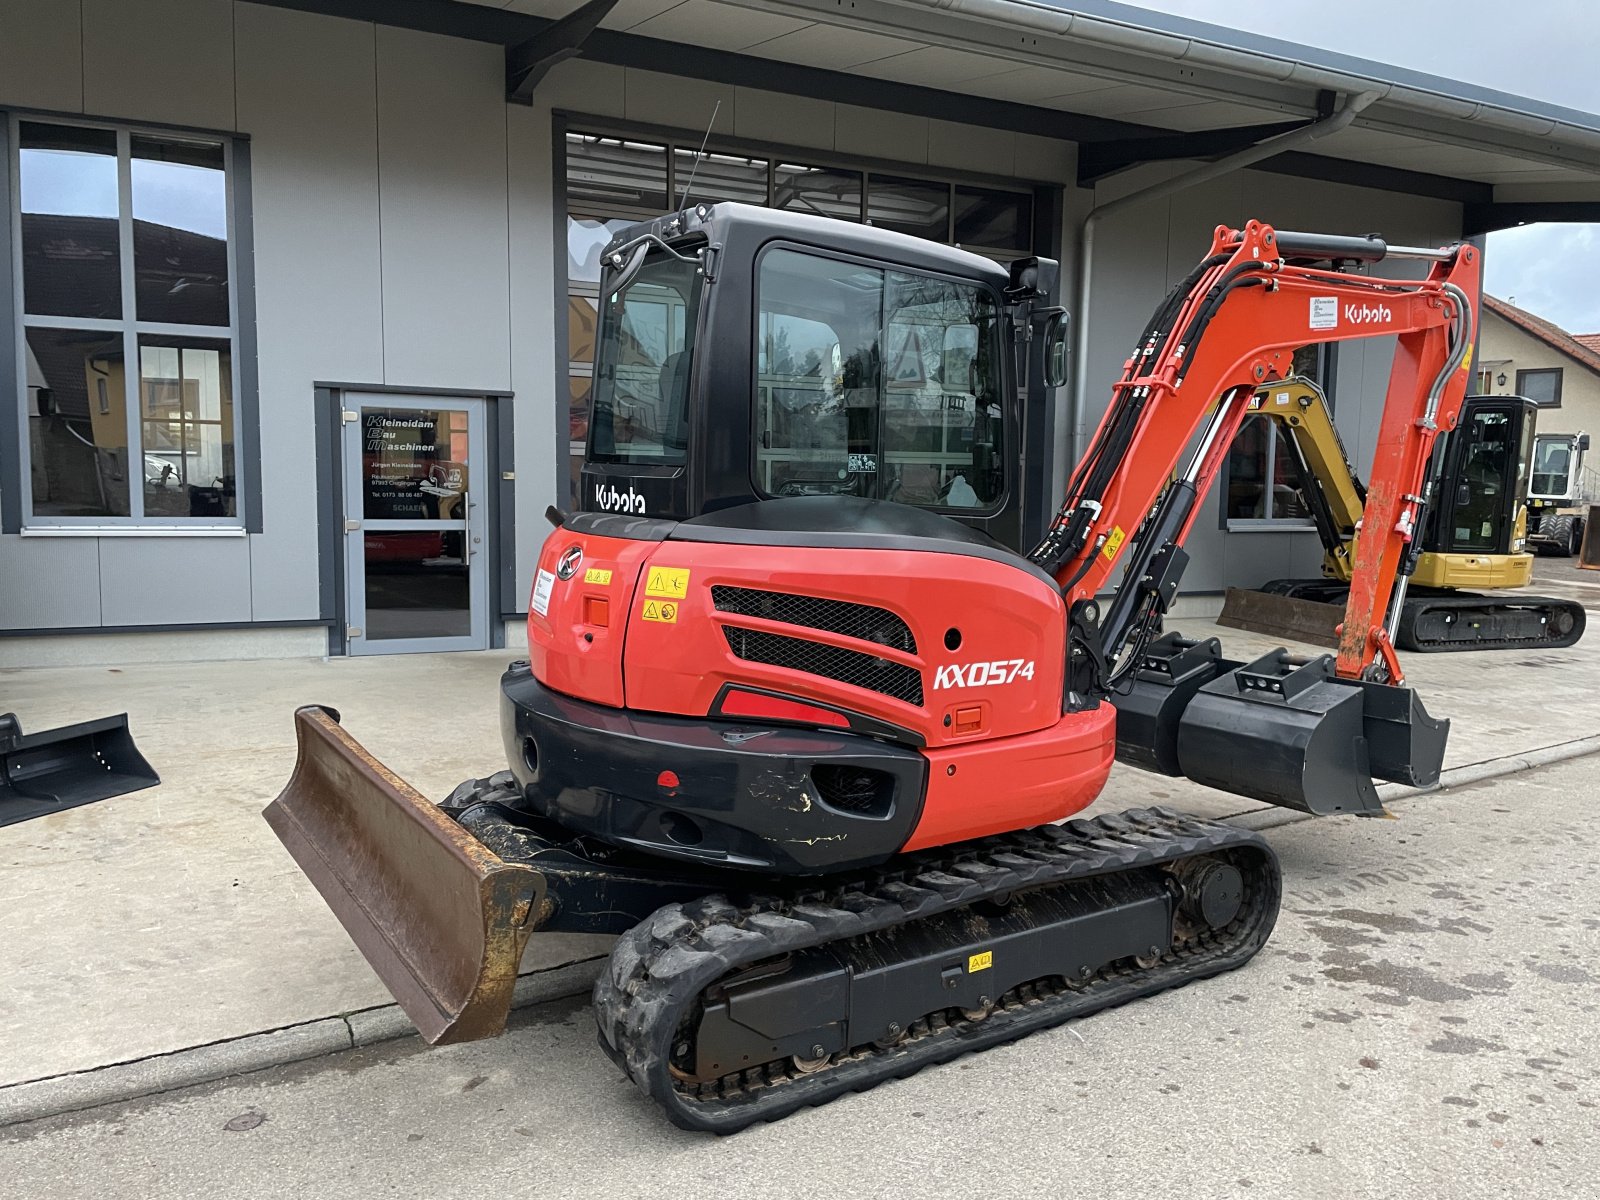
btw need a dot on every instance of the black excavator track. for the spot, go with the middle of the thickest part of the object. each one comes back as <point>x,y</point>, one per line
<point>1439,621</point>
<point>1468,621</point>
<point>670,978</point>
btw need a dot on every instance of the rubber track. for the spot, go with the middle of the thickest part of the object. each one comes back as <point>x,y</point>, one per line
<point>659,968</point>
<point>1406,635</point>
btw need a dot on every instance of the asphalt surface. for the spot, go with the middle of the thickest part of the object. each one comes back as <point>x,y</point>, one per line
<point>1421,1024</point>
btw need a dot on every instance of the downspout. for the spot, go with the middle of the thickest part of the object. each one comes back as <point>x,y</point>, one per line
<point>1294,138</point>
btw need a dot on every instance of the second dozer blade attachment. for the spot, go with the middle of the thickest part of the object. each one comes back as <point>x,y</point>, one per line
<point>441,919</point>
<point>1282,729</point>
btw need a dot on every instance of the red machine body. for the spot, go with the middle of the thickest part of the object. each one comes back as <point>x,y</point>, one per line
<point>637,625</point>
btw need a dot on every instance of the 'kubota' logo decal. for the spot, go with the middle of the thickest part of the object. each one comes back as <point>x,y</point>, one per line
<point>608,499</point>
<point>1368,314</point>
<point>567,567</point>
<point>982,674</point>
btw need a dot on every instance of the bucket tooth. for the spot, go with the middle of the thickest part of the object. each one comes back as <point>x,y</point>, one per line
<point>1284,730</point>
<point>1171,671</point>
<point>440,918</point>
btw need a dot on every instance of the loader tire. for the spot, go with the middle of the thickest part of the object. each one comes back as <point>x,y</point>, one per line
<point>1556,536</point>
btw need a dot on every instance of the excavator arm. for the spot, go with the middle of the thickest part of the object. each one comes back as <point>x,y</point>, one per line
<point>1229,328</point>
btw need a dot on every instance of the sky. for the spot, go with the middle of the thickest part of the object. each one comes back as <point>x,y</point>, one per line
<point>1545,51</point>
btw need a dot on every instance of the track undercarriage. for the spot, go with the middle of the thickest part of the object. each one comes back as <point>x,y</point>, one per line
<point>728,1011</point>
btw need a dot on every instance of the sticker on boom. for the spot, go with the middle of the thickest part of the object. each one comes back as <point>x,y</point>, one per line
<point>980,962</point>
<point>982,674</point>
<point>671,582</point>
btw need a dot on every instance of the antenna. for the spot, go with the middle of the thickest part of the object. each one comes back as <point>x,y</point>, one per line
<point>684,195</point>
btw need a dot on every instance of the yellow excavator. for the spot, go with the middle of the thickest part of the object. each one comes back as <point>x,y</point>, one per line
<point>1474,538</point>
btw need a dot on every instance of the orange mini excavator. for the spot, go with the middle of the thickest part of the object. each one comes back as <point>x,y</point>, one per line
<point>798,725</point>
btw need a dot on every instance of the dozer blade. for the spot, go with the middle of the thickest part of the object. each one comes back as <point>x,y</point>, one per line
<point>440,918</point>
<point>1282,616</point>
<point>62,768</point>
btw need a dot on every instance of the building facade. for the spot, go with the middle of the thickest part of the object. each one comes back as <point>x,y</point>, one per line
<point>301,325</point>
<point>1520,354</point>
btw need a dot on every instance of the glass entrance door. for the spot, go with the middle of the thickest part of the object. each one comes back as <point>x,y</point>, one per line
<point>414,538</point>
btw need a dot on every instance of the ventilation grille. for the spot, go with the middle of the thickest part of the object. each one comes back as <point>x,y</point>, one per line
<point>854,789</point>
<point>862,621</point>
<point>831,662</point>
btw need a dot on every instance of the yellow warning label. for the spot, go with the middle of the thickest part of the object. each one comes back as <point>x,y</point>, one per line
<point>597,575</point>
<point>661,610</point>
<point>1114,542</point>
<point>671,582</point>
<point>980,962</point>
<point>1466,361</point>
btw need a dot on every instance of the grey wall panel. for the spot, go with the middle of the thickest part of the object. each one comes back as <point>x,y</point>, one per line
<point>307,97</point>
<point>159,60</point>
<point>672,100</point>
<point>171,581</point>
<point>783,120</point>
<point>442,187</point>
<point>898,137</point>
<point>41,55</point>
<point>49,583</point>
<point>540,453</point>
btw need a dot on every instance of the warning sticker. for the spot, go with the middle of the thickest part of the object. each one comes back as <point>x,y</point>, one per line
<point>664,611</point>
<point>598,575</point>
<point>1114,542</point>
<point>671,582</point>
<point>1324,312</point>
<point>980,962</point>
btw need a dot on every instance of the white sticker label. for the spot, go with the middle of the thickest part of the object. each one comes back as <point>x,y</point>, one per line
<point>1324,312</point>
<point>543,585</point>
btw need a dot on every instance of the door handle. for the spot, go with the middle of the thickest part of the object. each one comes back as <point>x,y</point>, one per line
<point>466,529</point>
<point>351,526</point>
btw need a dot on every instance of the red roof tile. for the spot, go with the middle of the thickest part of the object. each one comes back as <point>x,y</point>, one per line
<point>1584,351</point>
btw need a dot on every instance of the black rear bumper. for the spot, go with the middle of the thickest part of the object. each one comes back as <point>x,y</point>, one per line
<point>747,796</point>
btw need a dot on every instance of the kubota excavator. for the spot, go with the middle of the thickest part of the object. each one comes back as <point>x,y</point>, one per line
<point>801,737</point>
<point>1474,538</point>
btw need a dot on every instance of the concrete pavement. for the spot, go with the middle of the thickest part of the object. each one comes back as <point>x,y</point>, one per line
<point>155,923</point>
<point>1422,1025</point>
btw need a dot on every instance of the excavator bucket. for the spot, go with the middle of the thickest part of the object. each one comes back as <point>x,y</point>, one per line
<point>439,917</point>
<point>1282,729</point>
<point>62,768</point>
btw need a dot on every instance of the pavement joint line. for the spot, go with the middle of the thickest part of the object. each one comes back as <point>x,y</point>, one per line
<point>156,1074</point>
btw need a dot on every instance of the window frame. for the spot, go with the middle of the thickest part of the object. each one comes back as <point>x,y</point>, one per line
<point>16,492</point>
<point>1325,377</point>
<point>1558,372</point>
<point>885,267</point>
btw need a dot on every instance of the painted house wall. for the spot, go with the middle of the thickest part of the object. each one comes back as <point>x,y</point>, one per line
<point>1505,347</point>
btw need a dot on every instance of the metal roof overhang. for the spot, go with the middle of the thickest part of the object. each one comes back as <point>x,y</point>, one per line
<point>1128,85</point>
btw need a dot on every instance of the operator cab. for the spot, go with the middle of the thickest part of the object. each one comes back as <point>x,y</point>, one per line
<point>1557,466</point>
<point>849,361</point>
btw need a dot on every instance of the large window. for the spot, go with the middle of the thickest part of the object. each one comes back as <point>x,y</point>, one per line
<point>641,383</point>
<point>1264,481</point>
<point>614,180</point>
<point>1543,387</point>
<point>128,321</point>
<point>876,383</point>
